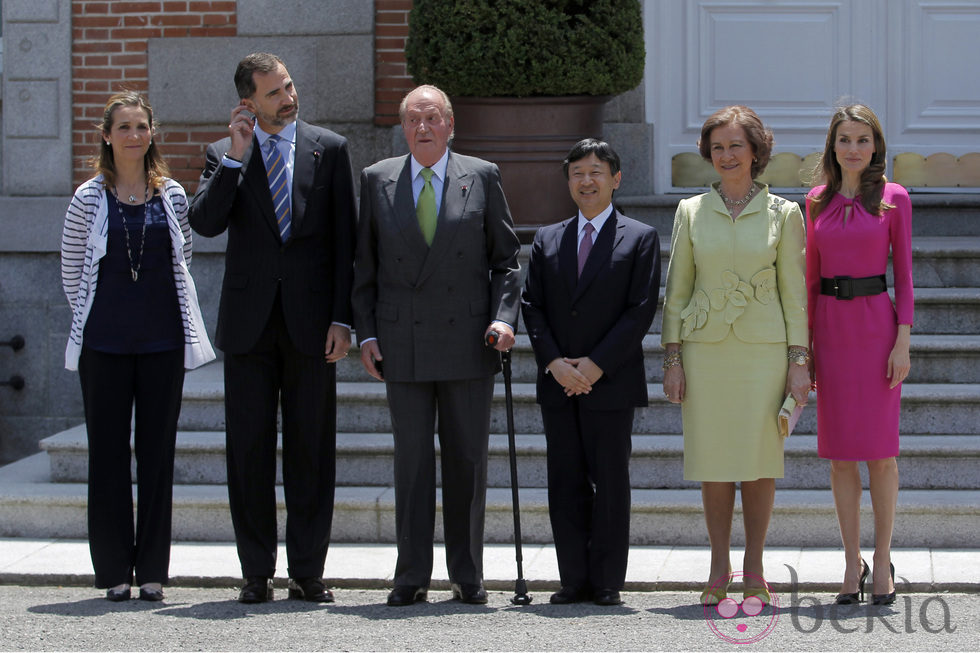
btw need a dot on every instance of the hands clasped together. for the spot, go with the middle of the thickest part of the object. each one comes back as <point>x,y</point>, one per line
<point>575,375</point>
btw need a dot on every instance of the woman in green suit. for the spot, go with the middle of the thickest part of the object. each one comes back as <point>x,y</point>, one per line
<point>736,301</point>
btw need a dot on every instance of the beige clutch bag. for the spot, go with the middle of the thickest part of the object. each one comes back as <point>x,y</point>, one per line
<point>789,415</point>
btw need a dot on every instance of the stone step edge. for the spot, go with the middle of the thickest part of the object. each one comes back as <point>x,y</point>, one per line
<point>26,483</point>
<point>951,201</point>
<point>919,343</point>
<point>382,444</point>
<point>210,389</point>
<point>500,575</point>
<point>922,246</point>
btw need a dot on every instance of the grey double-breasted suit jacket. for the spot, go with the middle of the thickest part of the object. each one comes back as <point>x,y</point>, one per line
<point>429,306</point>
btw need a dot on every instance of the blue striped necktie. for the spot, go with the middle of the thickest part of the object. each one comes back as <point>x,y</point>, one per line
<point>278,185</point>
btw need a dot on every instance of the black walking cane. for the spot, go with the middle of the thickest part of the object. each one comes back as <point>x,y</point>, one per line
<point>521,597</point>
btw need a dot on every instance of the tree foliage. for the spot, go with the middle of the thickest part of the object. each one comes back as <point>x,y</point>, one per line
<point>526,47</point>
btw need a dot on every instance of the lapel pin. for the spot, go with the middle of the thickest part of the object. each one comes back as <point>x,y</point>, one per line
<point>464,190</point>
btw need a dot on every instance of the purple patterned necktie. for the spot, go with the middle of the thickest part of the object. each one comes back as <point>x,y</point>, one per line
<point>585,247</point>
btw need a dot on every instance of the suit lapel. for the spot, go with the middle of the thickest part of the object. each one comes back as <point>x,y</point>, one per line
<point>568,255</point>
<point>609,237</point>
<point>398,189</point>
<point>256,180</point>
<point>455,193</point>
<point>305,161</point>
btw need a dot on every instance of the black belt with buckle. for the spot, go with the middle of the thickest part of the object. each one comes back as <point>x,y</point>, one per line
<point>849,288</point>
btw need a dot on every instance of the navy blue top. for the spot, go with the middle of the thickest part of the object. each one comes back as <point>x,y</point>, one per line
<point>143,316</point>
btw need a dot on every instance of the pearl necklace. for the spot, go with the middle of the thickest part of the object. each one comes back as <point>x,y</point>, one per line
<point>134,268</point>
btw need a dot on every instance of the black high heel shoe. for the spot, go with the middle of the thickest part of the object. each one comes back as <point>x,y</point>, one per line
<point>855,597</point>
<point>886,599</point>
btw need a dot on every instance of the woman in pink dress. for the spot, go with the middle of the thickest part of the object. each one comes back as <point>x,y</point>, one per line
<point>859,339</point>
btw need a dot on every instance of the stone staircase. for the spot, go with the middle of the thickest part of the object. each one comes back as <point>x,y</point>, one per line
<point>939,504</point>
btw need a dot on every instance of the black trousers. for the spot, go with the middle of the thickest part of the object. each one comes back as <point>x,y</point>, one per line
<point>589,493</point>
<point>463,409</point>
<point>255,384</point>
<point>111,385</point>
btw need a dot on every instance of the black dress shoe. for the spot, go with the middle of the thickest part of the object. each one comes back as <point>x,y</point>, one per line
<point>607,597</point>
<point>257,589</point>
<point>470,593</point>
<point>407,595</point>
<point>309,589</point>
<point>568,595</point>
<point>150,594</point>
<point>117,595</point>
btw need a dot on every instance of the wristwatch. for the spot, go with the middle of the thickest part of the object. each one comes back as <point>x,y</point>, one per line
<point>798,356</point>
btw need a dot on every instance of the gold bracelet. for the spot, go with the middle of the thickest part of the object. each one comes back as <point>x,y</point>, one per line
<point>672,360</point>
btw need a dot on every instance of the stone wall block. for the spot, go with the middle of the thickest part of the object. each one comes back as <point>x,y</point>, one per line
<point>34,109</point>
<point>34,10</point>
<point>634,144</point>
<point>333,76</point>
<point>36,50</point>
<point>295,17</point>
<point>345,78</point>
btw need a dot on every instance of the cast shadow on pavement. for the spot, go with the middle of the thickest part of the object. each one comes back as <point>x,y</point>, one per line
<point>815,611</point>
<point>230,609</point>
<point>93,607</point>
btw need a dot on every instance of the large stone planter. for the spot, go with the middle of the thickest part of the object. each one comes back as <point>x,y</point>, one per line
<point>528,138</point>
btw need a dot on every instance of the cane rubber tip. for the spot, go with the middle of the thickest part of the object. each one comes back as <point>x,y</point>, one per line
<point>521,599</point>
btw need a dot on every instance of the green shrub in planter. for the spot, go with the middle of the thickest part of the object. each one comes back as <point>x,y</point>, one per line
<point>526,47</point>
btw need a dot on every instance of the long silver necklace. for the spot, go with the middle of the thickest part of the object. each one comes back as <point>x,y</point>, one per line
<point>134,268</point>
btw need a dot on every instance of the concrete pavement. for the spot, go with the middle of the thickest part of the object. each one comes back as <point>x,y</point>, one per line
<point>209,619</point>
<point>47,602</point>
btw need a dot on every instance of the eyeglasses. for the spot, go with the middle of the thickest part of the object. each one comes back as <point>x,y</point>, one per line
<point>729,607</point>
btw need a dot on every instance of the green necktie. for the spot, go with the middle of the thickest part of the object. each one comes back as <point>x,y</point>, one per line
<point>425,209</point>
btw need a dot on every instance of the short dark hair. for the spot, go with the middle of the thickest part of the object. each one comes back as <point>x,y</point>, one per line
<point>261,62</point>
<point>602,150</point>
<point>759,136</point>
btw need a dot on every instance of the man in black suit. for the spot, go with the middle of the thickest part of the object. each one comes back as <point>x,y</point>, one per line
<point>283,189</point>
<point>436,270</point>
<point>589,298</point>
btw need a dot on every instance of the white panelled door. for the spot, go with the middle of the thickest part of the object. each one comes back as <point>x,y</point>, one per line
<point>915,62</point>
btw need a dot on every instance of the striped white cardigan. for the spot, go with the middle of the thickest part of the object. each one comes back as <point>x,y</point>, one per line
<point>83,244</point>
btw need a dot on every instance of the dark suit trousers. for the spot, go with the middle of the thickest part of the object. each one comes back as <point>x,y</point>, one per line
<point>463,408</point>
<point>111,385</point>
<point>589,493</point>
<point>254,384</point>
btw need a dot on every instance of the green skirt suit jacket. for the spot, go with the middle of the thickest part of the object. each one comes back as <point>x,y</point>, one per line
<point>735,300</point>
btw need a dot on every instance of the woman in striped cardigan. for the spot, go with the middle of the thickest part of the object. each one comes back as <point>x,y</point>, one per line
<point>126,236</point>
